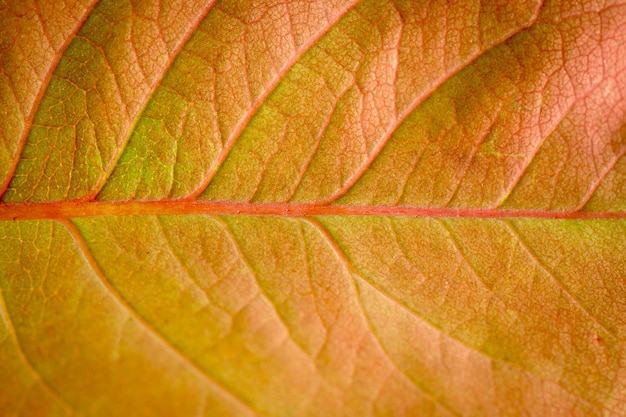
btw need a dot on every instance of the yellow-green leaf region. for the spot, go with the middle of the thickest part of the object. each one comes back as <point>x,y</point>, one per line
<point>313,208</point>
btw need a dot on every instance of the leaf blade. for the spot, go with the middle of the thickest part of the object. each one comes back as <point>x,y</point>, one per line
<point>302,208</point>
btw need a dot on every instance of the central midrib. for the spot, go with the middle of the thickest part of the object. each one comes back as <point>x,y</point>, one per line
<point>78,208</point>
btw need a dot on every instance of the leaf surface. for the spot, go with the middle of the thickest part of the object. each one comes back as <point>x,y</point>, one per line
<point>313,208</point>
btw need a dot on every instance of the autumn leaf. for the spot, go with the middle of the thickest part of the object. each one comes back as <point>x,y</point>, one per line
<point>289,208</point>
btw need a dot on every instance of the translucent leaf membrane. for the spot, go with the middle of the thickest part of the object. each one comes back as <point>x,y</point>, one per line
<point>360,315</point>
<point>34,36</point>
<point>535,123</point>
<point>78,343</point>
<point>238,55</point>
<point>359,83</point>
<point>99,87</point>
<point>433,105</point>
<point>300,110</point>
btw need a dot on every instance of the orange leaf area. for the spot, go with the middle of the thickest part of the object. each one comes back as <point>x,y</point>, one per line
<point>278,316</point>
<point>307,207</point>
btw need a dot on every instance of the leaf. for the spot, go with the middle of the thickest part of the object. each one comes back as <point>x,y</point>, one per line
<point>313,208</point>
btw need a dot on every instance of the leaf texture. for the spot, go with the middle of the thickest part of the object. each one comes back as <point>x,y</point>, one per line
<point>290,208</point>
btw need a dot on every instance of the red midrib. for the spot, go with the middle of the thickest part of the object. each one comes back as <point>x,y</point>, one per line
<point>70,209</point>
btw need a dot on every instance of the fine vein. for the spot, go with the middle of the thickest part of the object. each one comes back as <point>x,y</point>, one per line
<point>397,302</point>
<point>6,318</point>
<point>243,123</point>
<point>28,122</point>
<point>132,312</point>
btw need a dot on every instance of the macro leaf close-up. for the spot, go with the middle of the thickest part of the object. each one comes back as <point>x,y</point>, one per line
<point>312,208</point>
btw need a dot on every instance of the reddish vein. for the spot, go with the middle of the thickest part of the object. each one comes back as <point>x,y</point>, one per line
<point>596,184</point>
<point>36,374</point>
<point>173,55</point>
<point>30,117</point>
<point>78,208</point>
<point>417,101</point>
<point>243,123</point>
<point>193,366</point>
